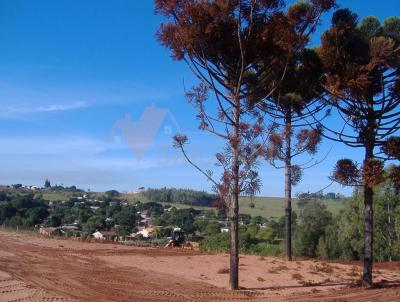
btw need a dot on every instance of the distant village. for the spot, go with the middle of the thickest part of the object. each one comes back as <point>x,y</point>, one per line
<point>145,227</point>
<point>109,204</point>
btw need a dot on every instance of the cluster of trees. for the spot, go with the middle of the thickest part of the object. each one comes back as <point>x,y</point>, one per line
<point>306,196</point>
<point>343,237</point>
<point>271,92</point>
<point>319,233</point>
<point>26,210</point>
<point>22,210</point>
<point>61,188</point>
<point>122,219</point>
<point>183,218</point>
<point>182,196</point>
<point>57,188</point>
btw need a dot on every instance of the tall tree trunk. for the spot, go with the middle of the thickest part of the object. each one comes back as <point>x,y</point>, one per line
<point>390,234</point>
<point>288,187</point>
<point>368,226</point>
<point>234,203</point>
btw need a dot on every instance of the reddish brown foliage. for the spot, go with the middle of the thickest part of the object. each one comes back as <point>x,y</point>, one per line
<point>361,66</point>
<point>296,174</point>
<point>257,129</point>
<point>209,29</point>
<point>346,172</point>
<point>394,176</point>
<point>179,140</point>
<point>274,149</point>
<point>372,172</point>
<point>220,205</point>
<point>308,140</point>
<point>392,147</point>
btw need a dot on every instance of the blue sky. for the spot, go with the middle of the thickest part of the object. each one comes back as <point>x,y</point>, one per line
<point>70,70</point>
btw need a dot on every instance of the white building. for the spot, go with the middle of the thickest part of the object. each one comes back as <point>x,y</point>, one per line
<point>146,232</point>
<point>98,235</point>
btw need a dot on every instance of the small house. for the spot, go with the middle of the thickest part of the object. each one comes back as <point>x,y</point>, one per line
<point>98,235</point>
<point>225,230</point>
<point>146,232</point>
<point>105,235</point>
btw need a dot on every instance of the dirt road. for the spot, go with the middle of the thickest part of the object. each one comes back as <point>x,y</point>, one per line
<point>38,269</point>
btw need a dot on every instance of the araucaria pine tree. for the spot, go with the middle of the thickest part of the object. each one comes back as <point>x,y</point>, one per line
<point>294,100</point>
<point>362,78</point>
<point>233,47</point>
<point>222,41</point>
<point>294,97</point>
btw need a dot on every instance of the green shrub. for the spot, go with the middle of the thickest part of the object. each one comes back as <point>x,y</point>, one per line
<point>248,243</point>
<point>215,243</point>
<point>267,249</point>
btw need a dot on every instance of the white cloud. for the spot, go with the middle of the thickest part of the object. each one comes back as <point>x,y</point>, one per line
<point>45,108</point>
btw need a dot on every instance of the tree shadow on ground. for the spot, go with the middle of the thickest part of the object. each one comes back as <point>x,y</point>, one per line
<point>350,284</point>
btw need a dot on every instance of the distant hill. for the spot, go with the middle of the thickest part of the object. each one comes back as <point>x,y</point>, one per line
<point>176,196</point>
<point>268,207</point>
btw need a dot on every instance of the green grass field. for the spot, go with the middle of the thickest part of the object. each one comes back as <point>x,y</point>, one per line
<point>60,196</point>
<point>273,207</point>
<point>268,207</point>
<point>132,198</point>
<point>56,196</point>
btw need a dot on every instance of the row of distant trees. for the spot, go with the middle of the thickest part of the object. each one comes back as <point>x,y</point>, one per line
<point>274,95</point>
<point>306,196</point>
<point>48,186</point>
<point>181,196</point>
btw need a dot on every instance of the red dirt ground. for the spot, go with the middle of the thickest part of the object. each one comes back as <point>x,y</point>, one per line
<point>38,269</point>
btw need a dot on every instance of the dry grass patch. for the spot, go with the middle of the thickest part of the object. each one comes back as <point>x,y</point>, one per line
<point>297,276</point>
<point>224,270</point>
<point>277,269</point>
<point>322,268</point>
<point>306,283</point>
<point>355,283</point>
<point>354,272</point>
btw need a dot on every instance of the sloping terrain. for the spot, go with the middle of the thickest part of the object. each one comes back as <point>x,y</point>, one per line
<point>38,269</point>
